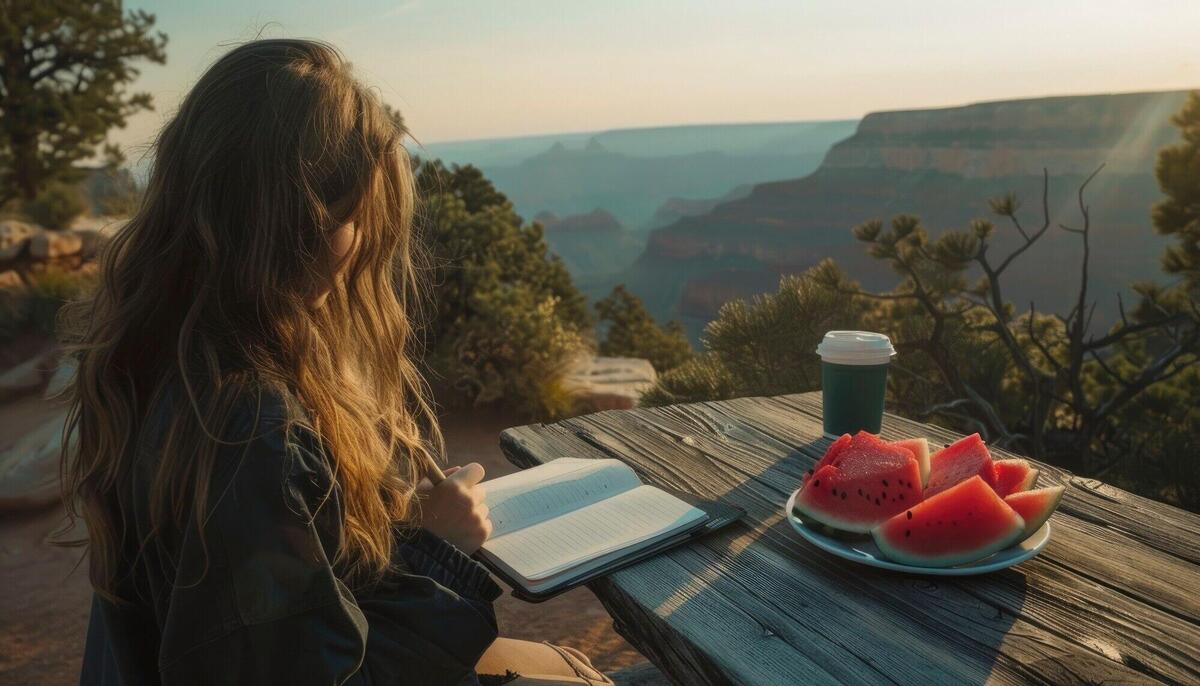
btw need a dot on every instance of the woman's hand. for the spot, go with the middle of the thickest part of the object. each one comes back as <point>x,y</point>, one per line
<point>455,510</point>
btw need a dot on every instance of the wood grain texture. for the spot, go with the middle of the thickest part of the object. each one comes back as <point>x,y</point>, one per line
<point>1111,599</point>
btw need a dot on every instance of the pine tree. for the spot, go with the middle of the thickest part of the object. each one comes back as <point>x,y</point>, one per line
<point>1178,215</point>
<point>505,320</point>
<point>64,66</point>
<point>632,332</point>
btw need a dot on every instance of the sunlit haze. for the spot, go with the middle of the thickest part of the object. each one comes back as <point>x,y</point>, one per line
<point>461,70</point>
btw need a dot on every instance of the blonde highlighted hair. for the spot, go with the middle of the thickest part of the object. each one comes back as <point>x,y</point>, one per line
<point>209,287</point>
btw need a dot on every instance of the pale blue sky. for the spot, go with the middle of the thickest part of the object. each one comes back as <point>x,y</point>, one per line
<point>486,69</point>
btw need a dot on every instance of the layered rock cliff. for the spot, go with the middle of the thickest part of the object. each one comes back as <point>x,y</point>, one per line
<point>942,165</point>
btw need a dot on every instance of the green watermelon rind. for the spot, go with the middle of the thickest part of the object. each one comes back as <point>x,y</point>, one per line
<point>895,554</point>
<point>1052,496</point>
<point>826,530</point>
<point>962,558</point>
<point>824,518</point>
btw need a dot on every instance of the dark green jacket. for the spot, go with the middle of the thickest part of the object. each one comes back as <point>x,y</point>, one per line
<point>265,605</point>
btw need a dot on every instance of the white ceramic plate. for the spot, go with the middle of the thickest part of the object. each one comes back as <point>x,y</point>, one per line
<point>864,551</point>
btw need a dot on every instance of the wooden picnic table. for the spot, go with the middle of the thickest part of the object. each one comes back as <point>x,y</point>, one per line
<point>1114,597</point>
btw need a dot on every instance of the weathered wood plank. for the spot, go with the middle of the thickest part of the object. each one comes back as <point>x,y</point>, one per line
<point>730,430</point>
<point>1157,640</point>
<point>706,450</point>
<point>1110,555</point>
<point>1150,630</point>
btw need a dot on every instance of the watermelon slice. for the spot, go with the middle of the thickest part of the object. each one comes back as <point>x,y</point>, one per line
<point>830,455</point>
<point>920,450</point>
<point>957,462</point>
<point>1035,507</point>
<point>962,524</point>
<point>868,482</point>
<point>1013,476</point>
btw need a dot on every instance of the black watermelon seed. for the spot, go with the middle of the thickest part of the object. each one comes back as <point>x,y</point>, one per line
<point>833,491</point>
<point>885,483</point>
<point>860,491</point>
<point>810,472</point>
<point>843,495</point>
<point>885,495</point>
<point>902,496</point>
<point>910,514</point>
<point>907,533</point>
<point>817,483</point>
<point>877,501</point>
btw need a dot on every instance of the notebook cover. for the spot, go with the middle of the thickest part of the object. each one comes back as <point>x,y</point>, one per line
<point>719,514</point>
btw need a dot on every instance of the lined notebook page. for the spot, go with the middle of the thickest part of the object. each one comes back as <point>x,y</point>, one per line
<point>622,521</point>
<point>535,495</point>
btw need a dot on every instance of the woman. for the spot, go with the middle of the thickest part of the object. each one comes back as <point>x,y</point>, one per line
<point>250,430</point>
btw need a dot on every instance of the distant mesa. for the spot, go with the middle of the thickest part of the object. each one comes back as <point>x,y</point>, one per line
<point>591,244</point>
<point>597,221</point>
<point>943,165</point>
<point>1016,137</point>
<point>675,209</point>
<point>632,172</point>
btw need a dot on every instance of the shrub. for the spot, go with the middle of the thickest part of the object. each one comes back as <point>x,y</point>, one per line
<point>34,308</point>
<point>632,332</point>
<point>56,206</point>
<point>764,346</point>
<point>507,321</point>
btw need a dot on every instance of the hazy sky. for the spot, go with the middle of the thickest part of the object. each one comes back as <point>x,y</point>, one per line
<point>486,69</point>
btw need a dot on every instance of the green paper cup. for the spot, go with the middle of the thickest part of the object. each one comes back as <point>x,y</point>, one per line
<point>854,366</point>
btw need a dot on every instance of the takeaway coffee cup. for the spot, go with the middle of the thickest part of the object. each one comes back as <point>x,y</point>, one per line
<point>854,367</point>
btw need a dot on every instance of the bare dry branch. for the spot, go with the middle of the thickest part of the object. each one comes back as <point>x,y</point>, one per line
<point>1109,370</point>
<point>1038,341</point>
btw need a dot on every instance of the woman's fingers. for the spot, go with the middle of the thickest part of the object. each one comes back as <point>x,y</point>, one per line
<point>468,475</point>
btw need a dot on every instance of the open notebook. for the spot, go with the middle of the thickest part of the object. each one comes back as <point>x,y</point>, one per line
<point>570,520</point>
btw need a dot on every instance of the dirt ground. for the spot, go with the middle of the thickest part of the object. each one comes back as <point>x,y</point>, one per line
<point>44,596</point>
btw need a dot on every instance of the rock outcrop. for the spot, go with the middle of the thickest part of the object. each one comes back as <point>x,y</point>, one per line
<point>14,238</point>
<point>29,468</point>
<point>28,377</point>
<point>610,383</point>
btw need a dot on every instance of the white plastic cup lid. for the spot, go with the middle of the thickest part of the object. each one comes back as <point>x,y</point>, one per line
<point>856,347</point>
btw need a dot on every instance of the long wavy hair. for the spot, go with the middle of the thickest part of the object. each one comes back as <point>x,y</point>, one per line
<point>210,287</point>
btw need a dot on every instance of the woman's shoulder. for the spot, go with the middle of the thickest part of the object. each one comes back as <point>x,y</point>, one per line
<point>253,424</point>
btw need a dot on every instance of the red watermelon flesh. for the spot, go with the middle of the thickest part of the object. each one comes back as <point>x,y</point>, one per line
<point>1035,507</point>
<point>830,455</point>
<point>957,462</point>
<point>1013,476</point>
<point>920,450</point>
<point>869,482</point>
<point>964,523</point>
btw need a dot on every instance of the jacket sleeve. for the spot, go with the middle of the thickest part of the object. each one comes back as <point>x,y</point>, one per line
<point>432,618</point>
<point>290,619</point>
<point>255,600</point>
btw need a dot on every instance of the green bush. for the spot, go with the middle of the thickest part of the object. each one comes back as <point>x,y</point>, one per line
<point>632,332</point>
<point>56,206</point>
<point>507,321</point>
<point>34,308</point>
<point>764,346</point>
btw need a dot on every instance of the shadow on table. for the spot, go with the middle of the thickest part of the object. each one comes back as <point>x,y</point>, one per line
<point>842,621</point>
